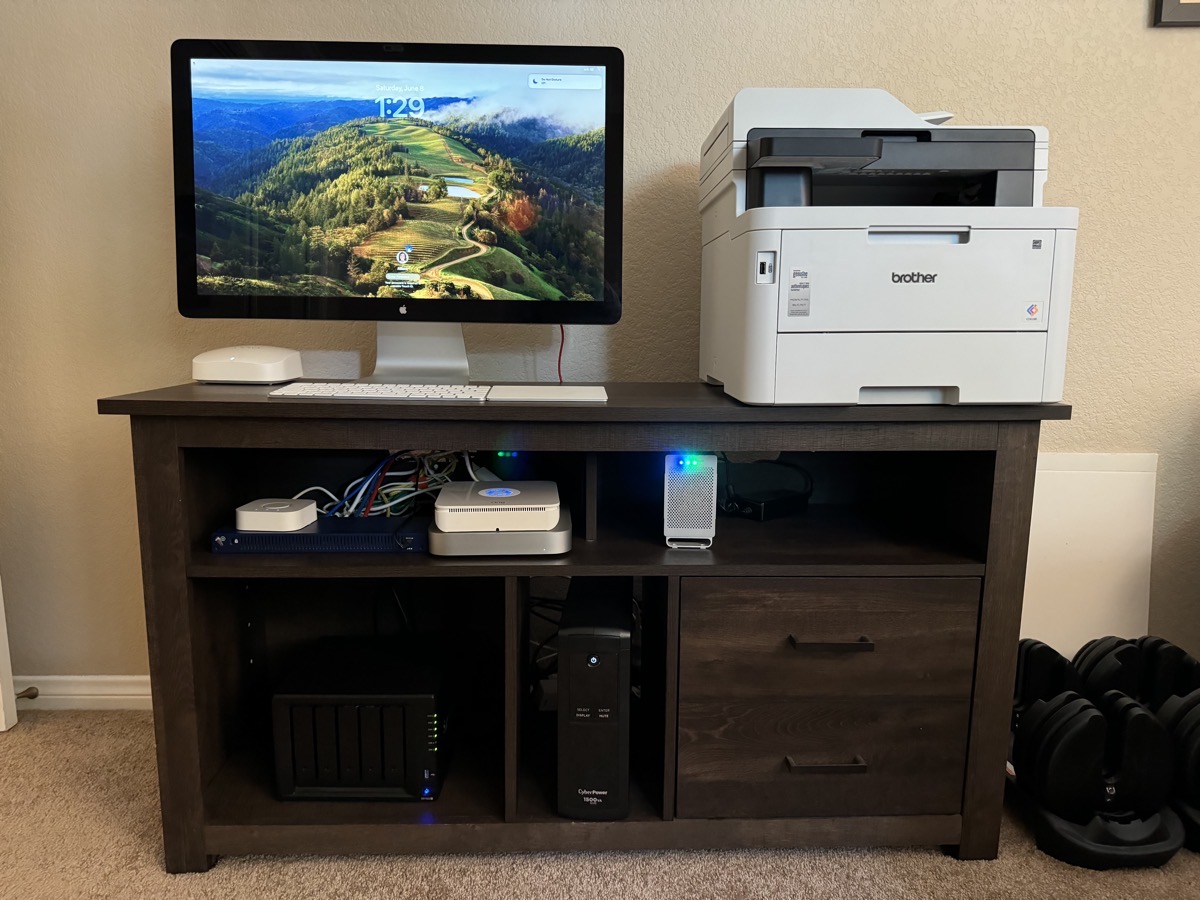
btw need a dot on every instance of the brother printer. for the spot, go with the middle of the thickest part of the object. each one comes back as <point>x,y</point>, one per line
<point>857,252</point>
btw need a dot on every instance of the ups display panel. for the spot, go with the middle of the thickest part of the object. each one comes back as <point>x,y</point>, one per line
<point>407,187</point>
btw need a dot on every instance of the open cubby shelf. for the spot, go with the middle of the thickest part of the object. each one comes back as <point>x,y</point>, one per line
<point>751,708</point>
<point>242,793</point>
<point>826,540</point>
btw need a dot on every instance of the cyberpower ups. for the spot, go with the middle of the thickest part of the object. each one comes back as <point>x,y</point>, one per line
<point>594,698</point>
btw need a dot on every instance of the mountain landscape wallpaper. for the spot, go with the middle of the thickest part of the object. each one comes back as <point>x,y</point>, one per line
<point>398,180</point>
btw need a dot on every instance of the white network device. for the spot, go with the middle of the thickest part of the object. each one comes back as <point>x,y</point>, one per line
<point>690,500</point>
<point>276,514</point>
<point>247,365</point>
<point>497,506</point>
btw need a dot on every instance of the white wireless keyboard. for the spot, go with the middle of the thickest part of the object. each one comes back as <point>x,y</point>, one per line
<point>322,390</point>
<point>529,393</point>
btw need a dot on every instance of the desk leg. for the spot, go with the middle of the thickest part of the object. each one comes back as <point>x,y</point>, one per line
<point>159,477</point>
<point>999,631</point>
<point>516,651</point>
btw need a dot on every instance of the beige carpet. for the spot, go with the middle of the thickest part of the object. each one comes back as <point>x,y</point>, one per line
<point>79,818</point>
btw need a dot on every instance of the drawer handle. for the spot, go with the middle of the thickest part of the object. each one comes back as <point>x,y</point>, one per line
<point>863,645</point>
<point>857,766</point>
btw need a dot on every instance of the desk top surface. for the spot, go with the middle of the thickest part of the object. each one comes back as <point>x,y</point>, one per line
<point>627,402</point>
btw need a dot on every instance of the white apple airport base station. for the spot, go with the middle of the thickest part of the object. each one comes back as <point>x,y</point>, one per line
<point>504,543</point>
<point>252,364</point>
<point>276,514</point>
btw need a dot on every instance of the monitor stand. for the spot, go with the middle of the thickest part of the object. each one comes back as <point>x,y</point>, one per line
<point>434,353</point>
<point>420,353</point>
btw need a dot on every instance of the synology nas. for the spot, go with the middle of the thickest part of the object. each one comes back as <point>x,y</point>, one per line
<point>358,718</point>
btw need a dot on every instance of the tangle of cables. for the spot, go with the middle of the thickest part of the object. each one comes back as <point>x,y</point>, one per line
<point>392,487</point>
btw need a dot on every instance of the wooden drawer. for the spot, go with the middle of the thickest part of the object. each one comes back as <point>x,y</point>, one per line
<point>824,696</point>
<point>838,757</point>
<point>800,637</point>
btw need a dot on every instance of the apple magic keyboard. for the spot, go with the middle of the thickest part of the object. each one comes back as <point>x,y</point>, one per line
<point>352,390</point>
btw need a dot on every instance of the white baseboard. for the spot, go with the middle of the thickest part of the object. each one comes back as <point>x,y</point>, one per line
<point>85,691</point>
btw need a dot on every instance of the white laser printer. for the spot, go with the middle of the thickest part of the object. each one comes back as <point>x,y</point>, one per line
<point>857,252</point>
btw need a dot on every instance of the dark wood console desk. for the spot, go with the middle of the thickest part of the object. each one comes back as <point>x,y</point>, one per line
<point>760,730</point>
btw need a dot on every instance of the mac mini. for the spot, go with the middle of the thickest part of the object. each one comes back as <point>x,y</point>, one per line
<point>554,542</point>
<point>497,506</point>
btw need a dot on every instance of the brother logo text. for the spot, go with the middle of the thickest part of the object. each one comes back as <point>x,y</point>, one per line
<point>913,278</point>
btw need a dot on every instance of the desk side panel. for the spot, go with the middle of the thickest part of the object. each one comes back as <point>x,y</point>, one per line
<point>158,470</point>
<point>999,629</point>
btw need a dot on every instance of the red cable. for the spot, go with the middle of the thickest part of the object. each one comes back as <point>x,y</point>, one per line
<point>562,331</point>
<point>378,485</point>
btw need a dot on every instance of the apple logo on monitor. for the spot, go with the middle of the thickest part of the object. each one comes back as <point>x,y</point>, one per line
<point>404,310</point>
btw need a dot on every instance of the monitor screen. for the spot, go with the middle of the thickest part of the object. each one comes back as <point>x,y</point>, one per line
<point>398,182</point>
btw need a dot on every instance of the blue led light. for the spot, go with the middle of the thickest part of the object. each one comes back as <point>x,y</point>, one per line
<point>499,492</point>
<point>426,792</point>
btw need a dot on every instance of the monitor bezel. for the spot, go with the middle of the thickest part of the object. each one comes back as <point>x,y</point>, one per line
<point>193,304</point>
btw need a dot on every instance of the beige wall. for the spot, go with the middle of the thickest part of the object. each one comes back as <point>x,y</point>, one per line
<point>87,255</point>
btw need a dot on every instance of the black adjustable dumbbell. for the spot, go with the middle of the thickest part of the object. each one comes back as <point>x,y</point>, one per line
<point>1094,762</point>
<point>1170,684</point>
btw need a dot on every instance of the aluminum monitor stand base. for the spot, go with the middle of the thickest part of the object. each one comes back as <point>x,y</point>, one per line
<point>420,353</point>
<point>434,353</point>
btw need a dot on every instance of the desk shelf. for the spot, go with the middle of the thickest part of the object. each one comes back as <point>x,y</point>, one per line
<point>915,497</point>
<point>825,541</point>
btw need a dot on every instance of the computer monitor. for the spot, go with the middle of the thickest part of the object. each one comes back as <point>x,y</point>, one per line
<point>430,184</point>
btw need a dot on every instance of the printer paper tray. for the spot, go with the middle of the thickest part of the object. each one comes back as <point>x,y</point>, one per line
<point>979,367</point>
